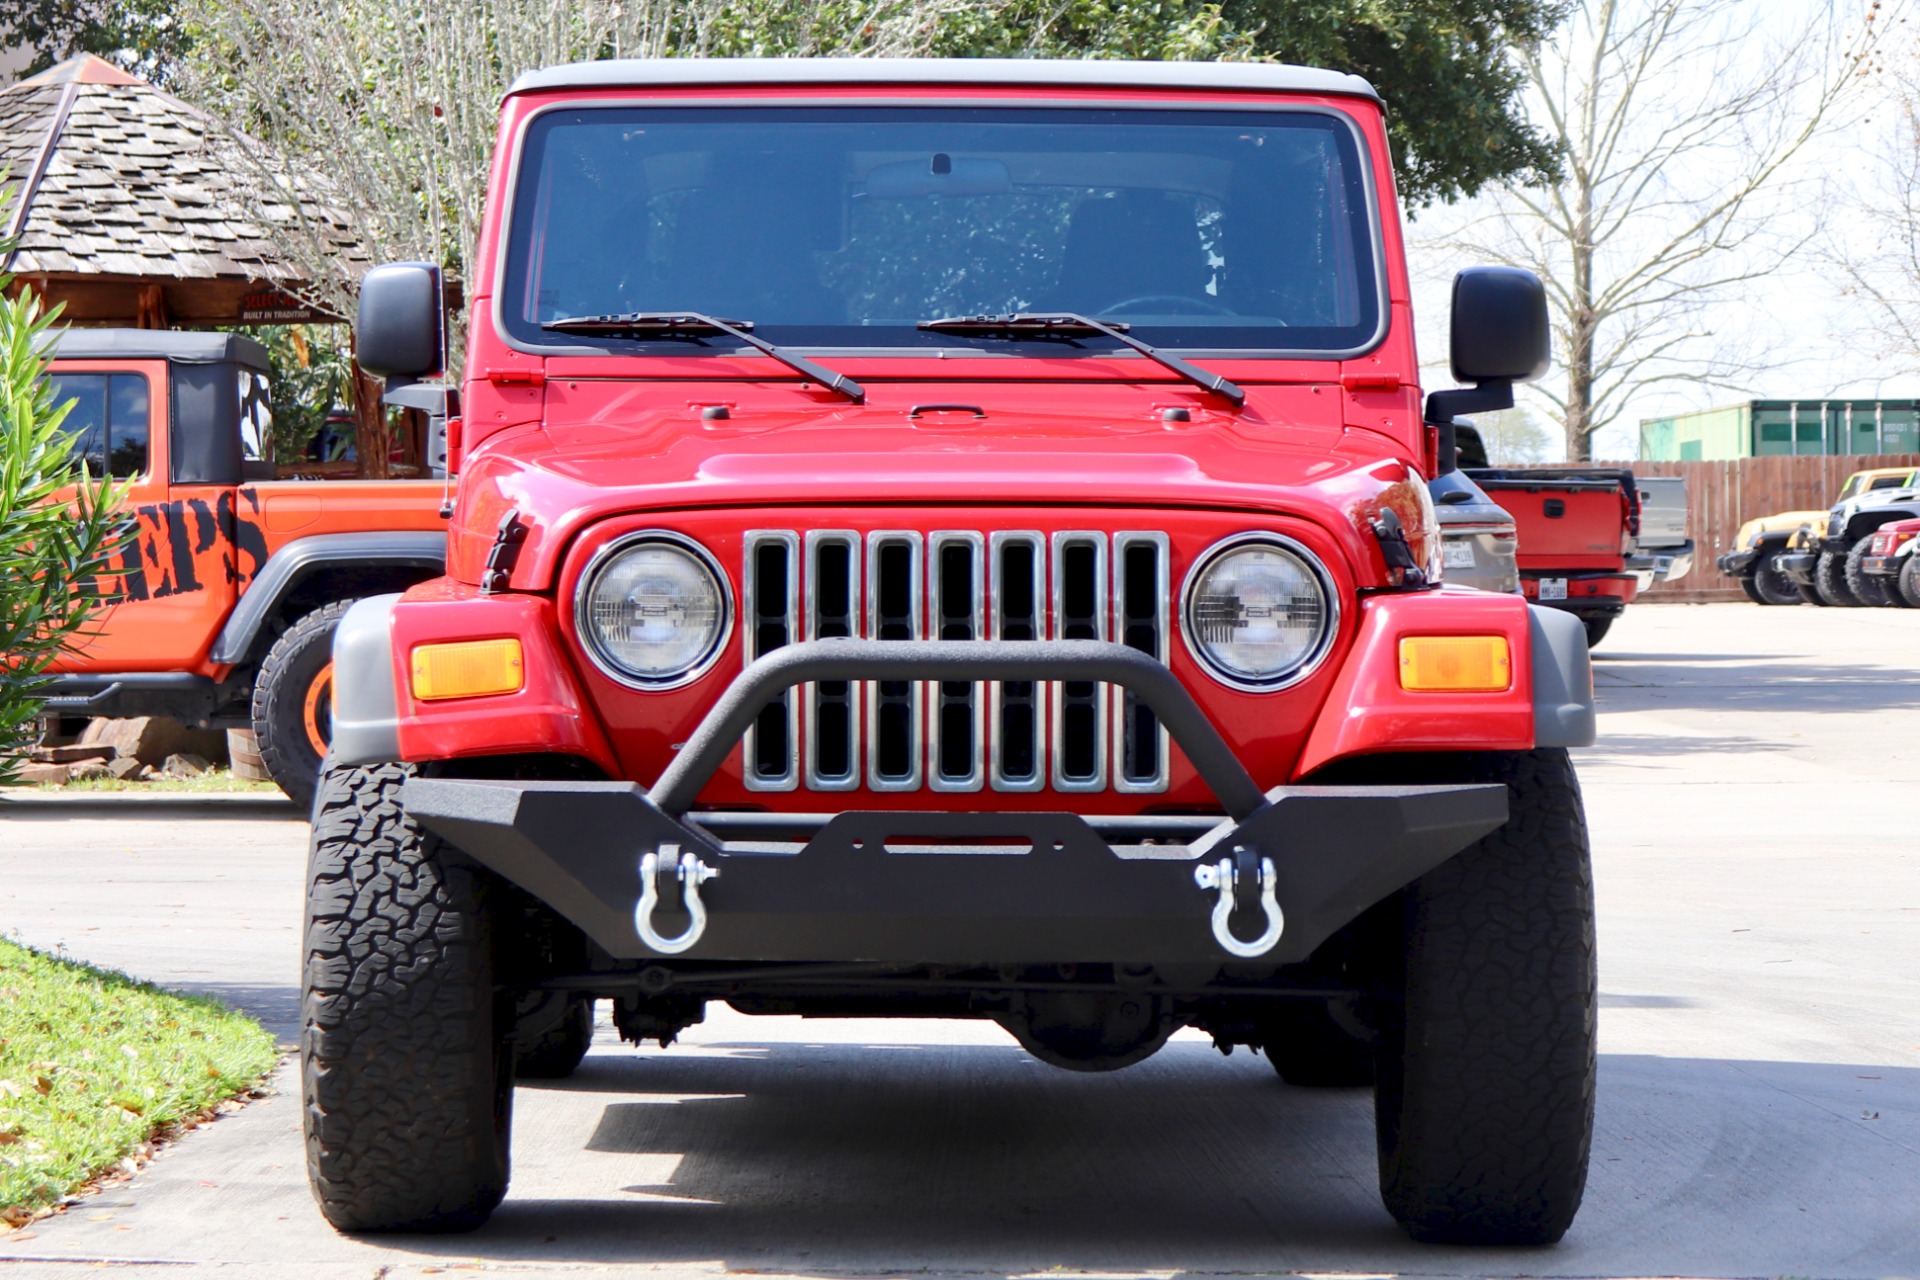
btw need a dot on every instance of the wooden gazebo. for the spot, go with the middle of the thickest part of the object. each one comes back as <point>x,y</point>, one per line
<point>131,207</point>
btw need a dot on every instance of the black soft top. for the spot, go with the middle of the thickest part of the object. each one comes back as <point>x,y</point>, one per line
<point>176,345</point>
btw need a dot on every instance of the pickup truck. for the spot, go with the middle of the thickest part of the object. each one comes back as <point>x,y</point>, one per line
<point>1576,527</point>
<point>230,582</point>
<point>1662,549</point>
<point>954,539</point>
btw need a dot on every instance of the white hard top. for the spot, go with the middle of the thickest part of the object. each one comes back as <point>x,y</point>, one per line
<point>639,73</point>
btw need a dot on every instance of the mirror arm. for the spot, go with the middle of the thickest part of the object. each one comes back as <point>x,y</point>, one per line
<point>1486,397</point>
<point>1444,406</point>
<point>437,400</point>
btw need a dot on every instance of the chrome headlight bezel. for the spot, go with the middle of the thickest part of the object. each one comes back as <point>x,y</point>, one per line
<point>1315,654</point>
<point>609,666</point>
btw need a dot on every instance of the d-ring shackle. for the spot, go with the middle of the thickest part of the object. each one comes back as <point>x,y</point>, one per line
<point>692,873</point>
<point>1221,876</point>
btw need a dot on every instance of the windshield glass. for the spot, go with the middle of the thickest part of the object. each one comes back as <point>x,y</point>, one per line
<point>844,227</point>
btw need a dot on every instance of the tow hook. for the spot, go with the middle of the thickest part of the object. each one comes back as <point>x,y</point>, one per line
<point>1225,878</point>
<point>692,874</point>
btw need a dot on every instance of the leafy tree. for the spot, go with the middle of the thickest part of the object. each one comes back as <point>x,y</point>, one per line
<point>312,373</point>
<point>144,36</point>
<point>57,525</point>
<point>1443,66</point>
<point>395,102</point>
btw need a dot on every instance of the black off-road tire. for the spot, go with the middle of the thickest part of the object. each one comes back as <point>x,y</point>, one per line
<point>1811,595</point>
<point>1870,589</point>
<point>293,702</point>
<point>1830,580</point>
<point>1909,581</point>
<point>1483,1103</point>
<point>1311,1050</point>
<point>558,1054</point>
<point>1597,628</point>
<point>406,1076</point>
<point>1769,584</point>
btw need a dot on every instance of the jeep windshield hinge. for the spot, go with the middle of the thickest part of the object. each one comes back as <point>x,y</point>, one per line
<point>507,541</point>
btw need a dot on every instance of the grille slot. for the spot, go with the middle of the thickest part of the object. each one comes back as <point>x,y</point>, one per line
<point>894,612</point>
<point>1079,706</point>
<point>1141,594</point>
<point>958,568</point>
<point>770,604</point>
<point>1018,594</point>
<point>833,613</point>
<point>956,736</point>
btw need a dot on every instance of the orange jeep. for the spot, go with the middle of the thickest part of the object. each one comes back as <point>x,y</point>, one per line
<point>229,588</point>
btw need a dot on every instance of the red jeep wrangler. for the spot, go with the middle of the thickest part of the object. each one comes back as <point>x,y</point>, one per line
<point>952,539</point>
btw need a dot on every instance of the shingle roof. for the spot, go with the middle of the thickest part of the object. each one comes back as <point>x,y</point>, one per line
<point>137,183</point>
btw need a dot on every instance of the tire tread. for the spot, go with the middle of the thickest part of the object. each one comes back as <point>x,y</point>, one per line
<point>406,1085</point>
<point>1486,1096</point>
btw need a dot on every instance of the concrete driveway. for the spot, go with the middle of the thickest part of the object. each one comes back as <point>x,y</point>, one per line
<point>1753,813</point>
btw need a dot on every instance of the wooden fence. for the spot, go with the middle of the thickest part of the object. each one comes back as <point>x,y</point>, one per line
<point>1725,495</point>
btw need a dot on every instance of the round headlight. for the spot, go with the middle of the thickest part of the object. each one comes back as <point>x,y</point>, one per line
<point>653,610</point>
<point>1259,612</point>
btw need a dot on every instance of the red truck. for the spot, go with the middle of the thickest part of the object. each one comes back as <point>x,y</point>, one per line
<point>1576,527</point>
<point>228,588</point>
<point>953,539</point>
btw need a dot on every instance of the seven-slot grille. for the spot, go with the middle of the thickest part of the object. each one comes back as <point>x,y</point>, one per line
<point>1072,736</point>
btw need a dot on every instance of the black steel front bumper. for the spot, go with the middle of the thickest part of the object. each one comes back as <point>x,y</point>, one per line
<point>947,887</point>
<point>1882,566</point>
<point>1736,564</point>
<point>1798,566</point>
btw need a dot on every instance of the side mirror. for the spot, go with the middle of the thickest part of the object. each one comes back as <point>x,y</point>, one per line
<point>1501,336</point>
<point>401,331</point>
<point>1500,329</point>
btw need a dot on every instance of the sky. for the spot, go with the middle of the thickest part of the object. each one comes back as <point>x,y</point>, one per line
<point>1812,336</point>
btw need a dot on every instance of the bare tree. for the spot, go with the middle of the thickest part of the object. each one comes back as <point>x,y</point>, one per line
<point>1679,121</point>
<point>383,112</point>
<point>1877,248</point>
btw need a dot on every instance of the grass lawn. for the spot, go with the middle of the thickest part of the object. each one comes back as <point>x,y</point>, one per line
<point>212,780</point>
<point>94,1064</point>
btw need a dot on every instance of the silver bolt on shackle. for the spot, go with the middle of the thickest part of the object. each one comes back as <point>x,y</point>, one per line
<point>1221,876</point>
<point>692,874</point>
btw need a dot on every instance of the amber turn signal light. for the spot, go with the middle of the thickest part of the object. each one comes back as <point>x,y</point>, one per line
<point>467,669</point>
<point>1456,664</point>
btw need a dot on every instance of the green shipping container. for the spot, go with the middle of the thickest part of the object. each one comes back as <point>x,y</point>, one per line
<point>1763,428</point>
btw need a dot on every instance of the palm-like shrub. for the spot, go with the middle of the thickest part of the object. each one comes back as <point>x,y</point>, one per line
<point>58,526</point>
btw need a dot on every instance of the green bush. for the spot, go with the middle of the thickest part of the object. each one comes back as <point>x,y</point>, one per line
<point>58,526</point>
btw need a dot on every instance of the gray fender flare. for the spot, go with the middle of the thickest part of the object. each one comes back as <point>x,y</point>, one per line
<point>286,568</point>
<point>366,705</point>
<point>1563,714</point>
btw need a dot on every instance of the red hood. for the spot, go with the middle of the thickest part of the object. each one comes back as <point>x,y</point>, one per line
<point>609,449</point>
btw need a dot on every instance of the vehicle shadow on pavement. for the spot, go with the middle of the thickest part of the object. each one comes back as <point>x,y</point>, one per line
<point>1768,688</point>
<point>825,1159</point>
<point>58,806</point>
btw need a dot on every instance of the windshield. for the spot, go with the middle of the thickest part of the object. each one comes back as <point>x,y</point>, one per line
<point>844,227</point>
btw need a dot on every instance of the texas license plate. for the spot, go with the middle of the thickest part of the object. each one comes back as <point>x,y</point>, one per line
<point>1457,555</point>
<point>1553,588</point>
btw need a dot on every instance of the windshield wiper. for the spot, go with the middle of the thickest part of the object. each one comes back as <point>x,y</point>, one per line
<point>1068,324</point>
<point>692,324</point>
